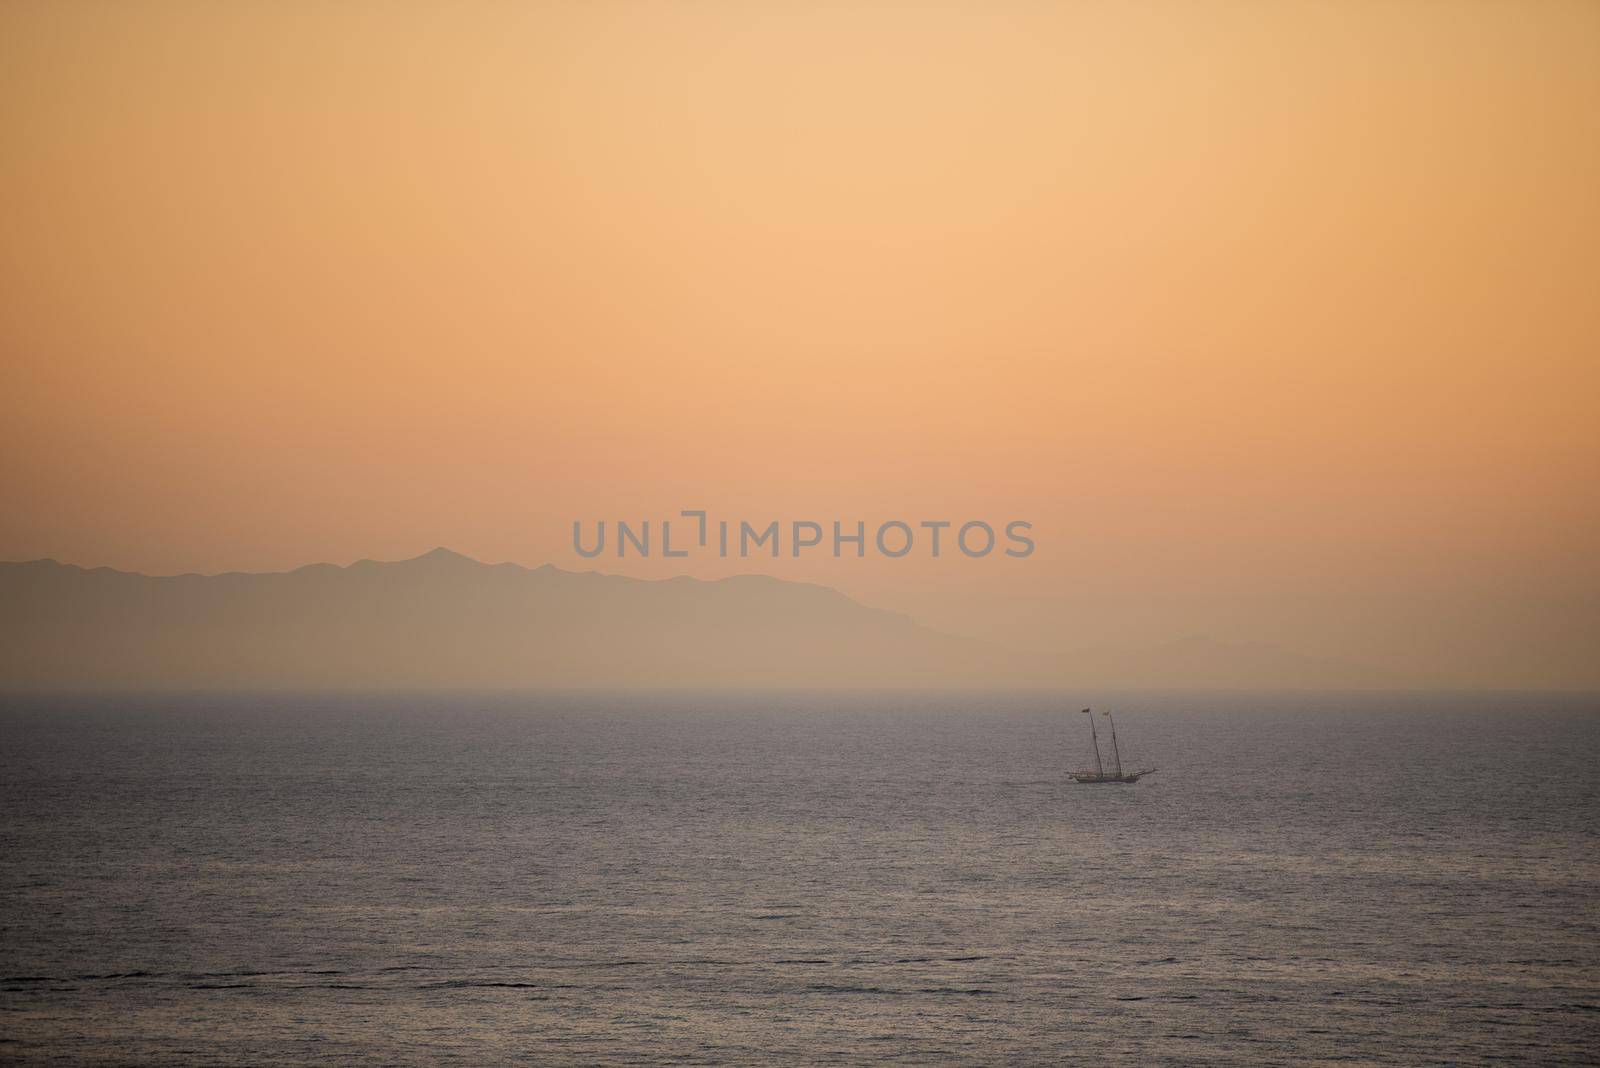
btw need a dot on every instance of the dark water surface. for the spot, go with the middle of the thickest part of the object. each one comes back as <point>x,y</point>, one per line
<point>807,879</point>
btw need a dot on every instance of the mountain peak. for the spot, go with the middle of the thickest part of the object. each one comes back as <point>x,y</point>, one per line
<point>440,555</point>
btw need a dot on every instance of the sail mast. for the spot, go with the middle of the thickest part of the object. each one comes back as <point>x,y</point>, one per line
<point>1115,754</point>
<point>1099,768</point>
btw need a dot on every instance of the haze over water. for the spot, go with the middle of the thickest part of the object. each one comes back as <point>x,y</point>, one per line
<point>798,879</point>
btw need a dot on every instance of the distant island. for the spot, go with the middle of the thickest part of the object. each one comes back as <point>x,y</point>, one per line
<point>445,621</point>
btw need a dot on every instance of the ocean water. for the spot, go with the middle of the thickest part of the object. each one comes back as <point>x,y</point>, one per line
<point>805,879</point>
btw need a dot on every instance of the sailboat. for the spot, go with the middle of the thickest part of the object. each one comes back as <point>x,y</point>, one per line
<point>1100,774</point>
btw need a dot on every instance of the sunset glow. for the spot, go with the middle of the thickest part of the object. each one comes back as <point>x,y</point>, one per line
<point>1259,314</point>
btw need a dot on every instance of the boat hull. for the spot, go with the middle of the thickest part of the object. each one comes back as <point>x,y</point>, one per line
<point>1091,778</point>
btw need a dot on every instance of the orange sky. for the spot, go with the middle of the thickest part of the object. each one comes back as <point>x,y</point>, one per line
<point>1232,301</point>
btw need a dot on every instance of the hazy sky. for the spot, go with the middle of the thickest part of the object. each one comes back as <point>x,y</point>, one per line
<point>1267,315</point>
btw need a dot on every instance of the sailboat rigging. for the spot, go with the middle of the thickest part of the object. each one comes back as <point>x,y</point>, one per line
<point>1099,774</point>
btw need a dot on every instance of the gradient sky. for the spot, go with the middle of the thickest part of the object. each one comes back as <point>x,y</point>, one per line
<point>1279,321</point>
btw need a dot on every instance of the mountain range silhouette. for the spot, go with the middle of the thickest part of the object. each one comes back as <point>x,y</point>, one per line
<point>445,621</point>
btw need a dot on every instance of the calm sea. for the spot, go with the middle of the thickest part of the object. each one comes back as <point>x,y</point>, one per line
<point>751,880</point>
